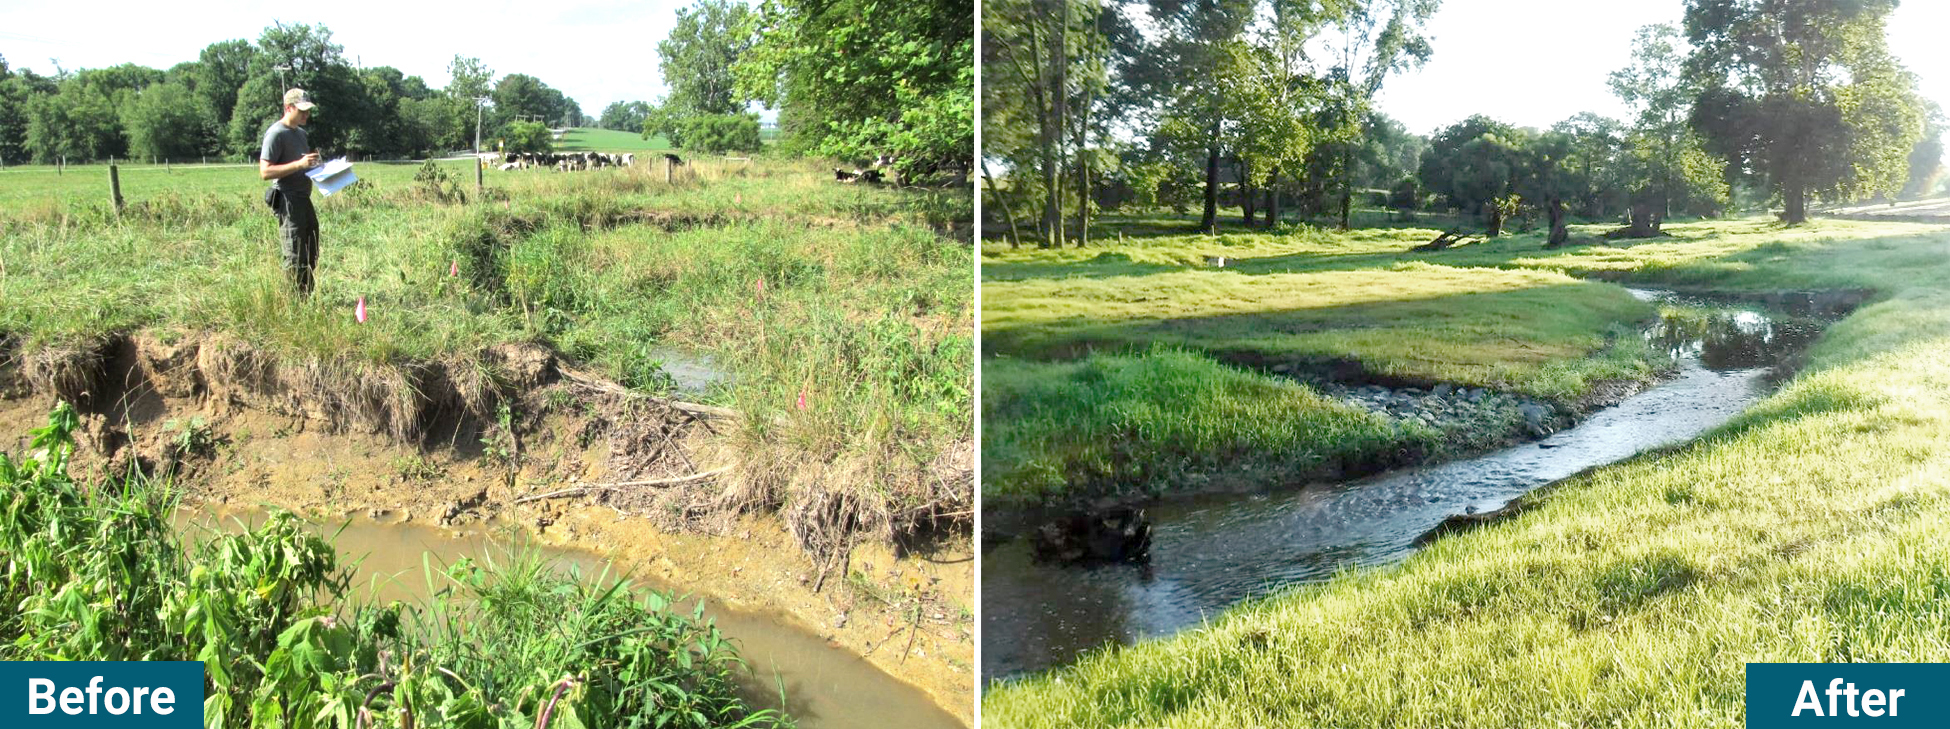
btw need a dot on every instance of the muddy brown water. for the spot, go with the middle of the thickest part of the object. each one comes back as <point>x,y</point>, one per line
<point>825,686</point>
<point>1209,553</point>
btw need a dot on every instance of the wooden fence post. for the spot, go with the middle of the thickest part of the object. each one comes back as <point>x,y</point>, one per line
<point>479,167</point>
<point>115,186</point>
<point>669,166</point>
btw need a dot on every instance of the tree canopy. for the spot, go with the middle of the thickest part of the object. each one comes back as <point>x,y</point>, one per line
<point>858,79</point>
<point>1803,96</point>
<point>218,105</point>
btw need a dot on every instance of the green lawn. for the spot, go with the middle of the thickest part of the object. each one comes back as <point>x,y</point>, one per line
<point>589,139</point>
<point>1807,530</point>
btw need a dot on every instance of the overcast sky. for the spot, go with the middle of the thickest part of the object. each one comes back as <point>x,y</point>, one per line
<point>1536,62</point>
<point>595,51</point>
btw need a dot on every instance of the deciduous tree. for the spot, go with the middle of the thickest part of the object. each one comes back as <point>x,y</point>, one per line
<point>1804,95</point>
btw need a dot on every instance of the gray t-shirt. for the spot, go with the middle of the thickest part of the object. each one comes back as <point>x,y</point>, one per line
<point>283,144</point>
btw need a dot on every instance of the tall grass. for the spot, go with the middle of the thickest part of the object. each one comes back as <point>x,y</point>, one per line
<point>842,311</point>
<point>1165,420</point>
<point>97,573</point>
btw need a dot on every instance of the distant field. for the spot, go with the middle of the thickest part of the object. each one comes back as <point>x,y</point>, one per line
<point>585,139</point>
<point>42,183</point>
<point>609,140</point>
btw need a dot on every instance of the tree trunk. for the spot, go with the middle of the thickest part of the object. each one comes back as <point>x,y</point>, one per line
<point>1210,224</point>
<point>1645,219</point>
<point>1052,129</point>
<point>1559,233</point>
<point>1008,213</point>
<point>1347,183</point>
<point>1495,223</point>
<point>1083,173</point>
<point>1273,199</point>
<point>1797,204</point>
<point>1248,211</point>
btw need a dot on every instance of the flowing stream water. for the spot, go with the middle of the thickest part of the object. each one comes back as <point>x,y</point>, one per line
<point>825,686</point>
<point>1208,553</point>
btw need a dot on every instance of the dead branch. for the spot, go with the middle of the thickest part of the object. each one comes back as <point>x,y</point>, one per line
<point>593,383</point>
<point>620,485</point>
<point>1448,239</point>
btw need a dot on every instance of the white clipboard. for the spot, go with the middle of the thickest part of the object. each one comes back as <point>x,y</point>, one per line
<point>332,176</point>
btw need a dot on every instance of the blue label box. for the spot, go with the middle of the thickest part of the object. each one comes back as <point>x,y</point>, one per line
<point>1847,694</point>
<point>84,694</point>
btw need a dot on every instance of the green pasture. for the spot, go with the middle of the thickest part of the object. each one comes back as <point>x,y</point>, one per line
<point>839,310</point>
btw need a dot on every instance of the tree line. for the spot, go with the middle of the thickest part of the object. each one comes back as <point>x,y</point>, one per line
<point>851,79</point>
<point>218,105</point>
<point>859,80</point>
<point>1268,105</point>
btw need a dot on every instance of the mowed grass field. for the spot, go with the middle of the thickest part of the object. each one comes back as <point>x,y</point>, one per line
<point>841,312</point>
<point>590,139</point>
<point>1807,530</point>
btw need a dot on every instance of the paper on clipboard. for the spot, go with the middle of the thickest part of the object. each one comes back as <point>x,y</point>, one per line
<point>332,176</point>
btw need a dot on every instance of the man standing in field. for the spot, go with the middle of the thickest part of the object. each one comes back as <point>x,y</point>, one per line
<point>286,156</point>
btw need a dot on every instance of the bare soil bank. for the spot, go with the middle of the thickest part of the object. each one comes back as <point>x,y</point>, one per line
<point>473,449</point>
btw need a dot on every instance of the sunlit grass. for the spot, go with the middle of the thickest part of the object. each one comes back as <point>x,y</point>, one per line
<point>1807,530</point>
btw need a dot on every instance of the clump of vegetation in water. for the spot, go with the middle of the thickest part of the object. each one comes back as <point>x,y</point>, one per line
<point>97,573</point>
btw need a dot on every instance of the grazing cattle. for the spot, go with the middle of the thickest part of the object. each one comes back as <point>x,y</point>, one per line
<point>571,161</point>
<point>673,159</point>
<point>872,176</point>
<point>843,175</point>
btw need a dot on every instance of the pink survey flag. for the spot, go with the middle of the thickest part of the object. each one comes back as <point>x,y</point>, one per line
<point>761,287</point>
<point>802,399</point>
<point>359,312</point>
<point>453,270</point>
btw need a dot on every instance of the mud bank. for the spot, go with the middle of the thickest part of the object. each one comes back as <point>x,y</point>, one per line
<point>515,442</point>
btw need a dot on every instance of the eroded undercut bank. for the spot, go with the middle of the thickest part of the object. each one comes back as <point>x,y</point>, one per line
<point>753,383</point>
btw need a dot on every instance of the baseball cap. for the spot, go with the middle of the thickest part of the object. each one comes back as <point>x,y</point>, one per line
<point>298,98</point>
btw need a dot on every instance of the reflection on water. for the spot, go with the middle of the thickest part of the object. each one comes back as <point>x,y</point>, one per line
<point>691,374</point>
<point>1209,553</point>
<point>825,686</point>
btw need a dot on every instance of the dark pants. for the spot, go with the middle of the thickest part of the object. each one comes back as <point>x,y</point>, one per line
<point>298,238</point>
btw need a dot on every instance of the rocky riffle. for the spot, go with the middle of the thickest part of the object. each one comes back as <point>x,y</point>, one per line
<point>1476,410</point>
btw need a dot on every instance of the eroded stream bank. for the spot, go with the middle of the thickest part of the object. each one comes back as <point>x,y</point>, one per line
<point>823,684</point>
<point>545,466</point>
<point>1208,553</point>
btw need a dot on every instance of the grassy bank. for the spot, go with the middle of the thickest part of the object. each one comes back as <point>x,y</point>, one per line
<point>1304,301</point>
<point>97,573</point>
<point>840,312</point>
<point>1104,423</point>
<point>1807,530</point>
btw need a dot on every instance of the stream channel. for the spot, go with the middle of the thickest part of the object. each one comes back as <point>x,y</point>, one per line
<point>825,686</point>
<point>1210,552</point>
